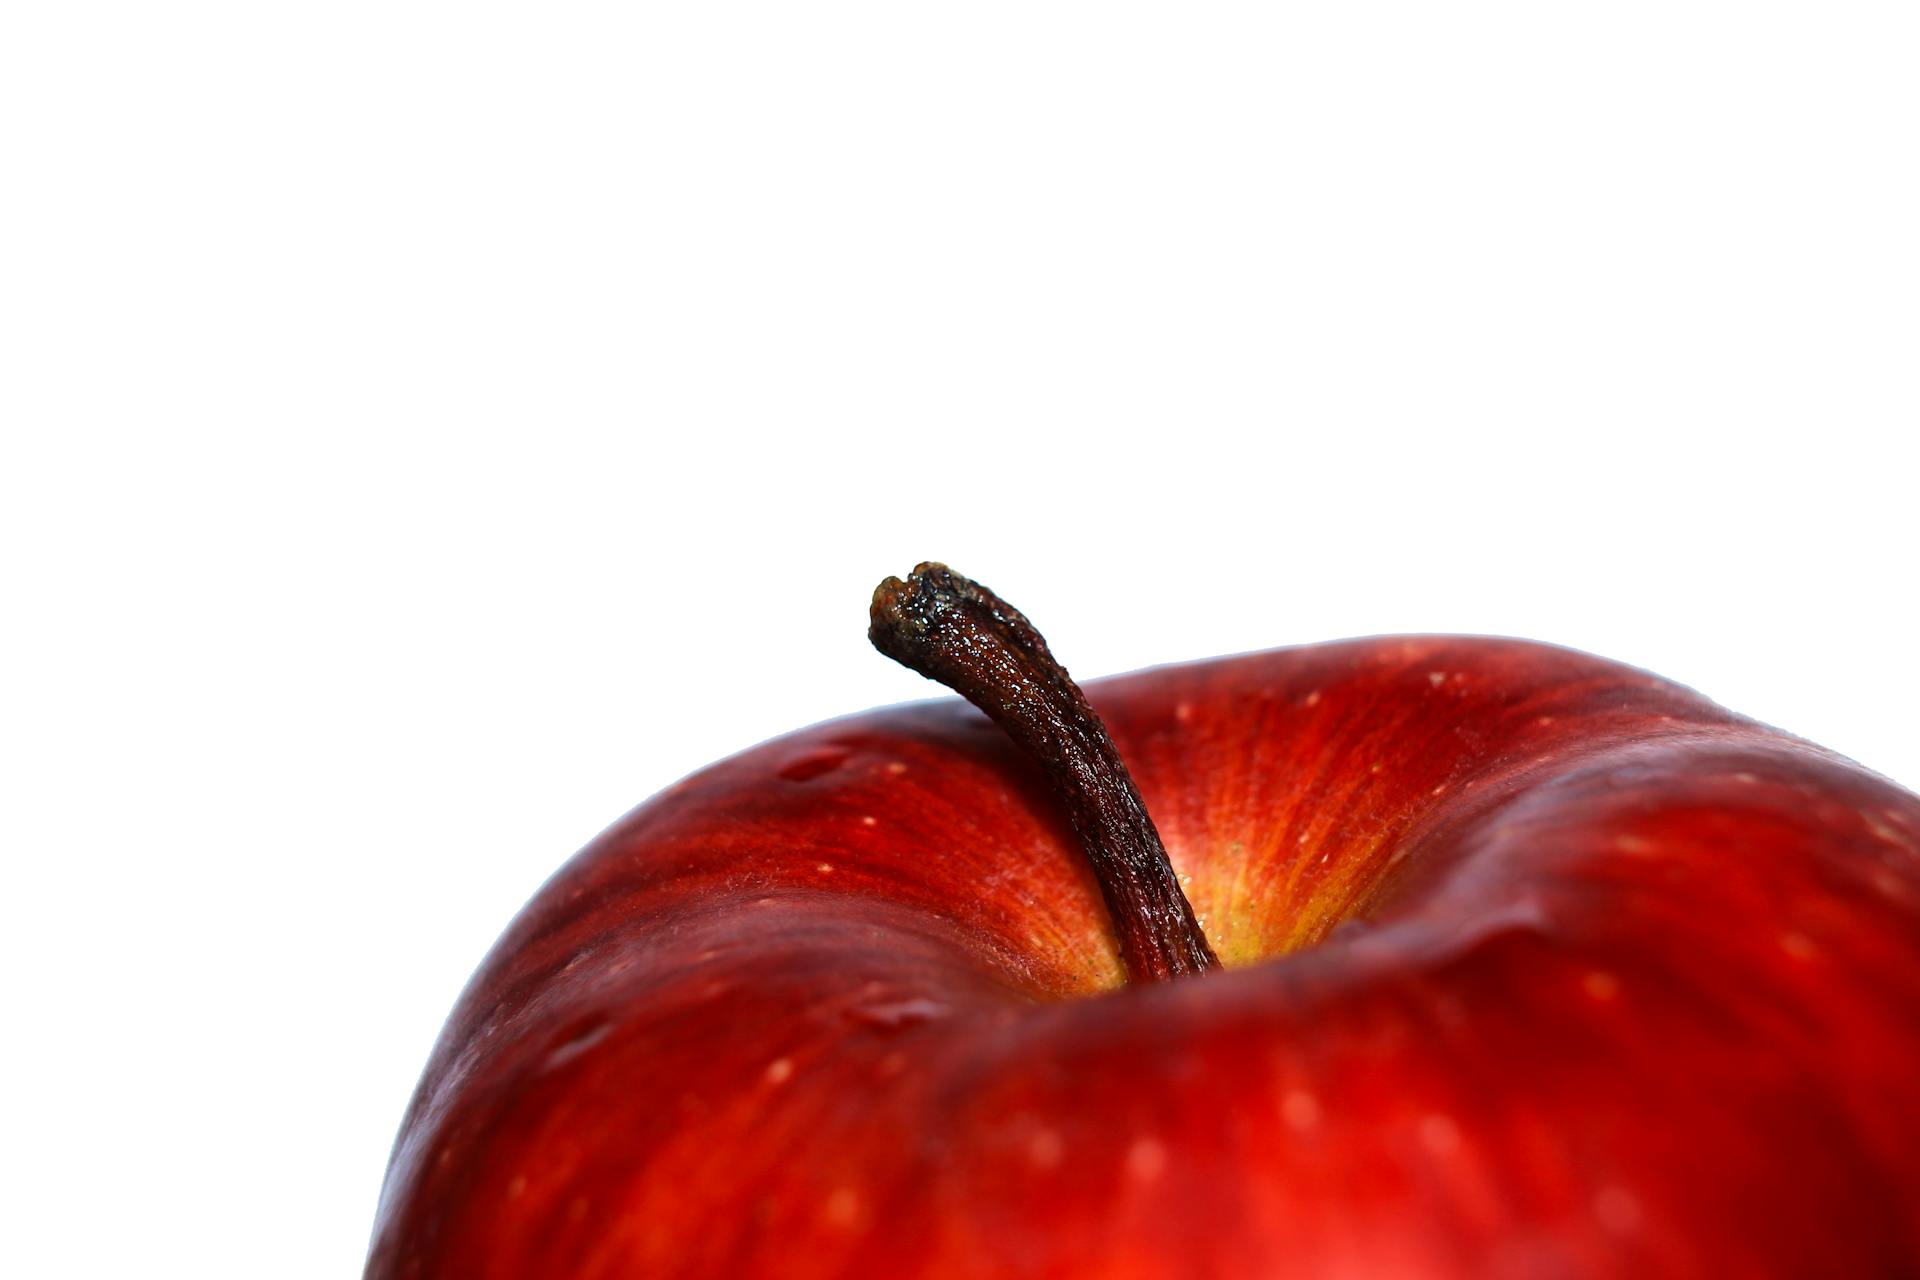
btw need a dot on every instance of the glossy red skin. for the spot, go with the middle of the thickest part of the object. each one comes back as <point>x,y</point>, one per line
<point>1638,992</point>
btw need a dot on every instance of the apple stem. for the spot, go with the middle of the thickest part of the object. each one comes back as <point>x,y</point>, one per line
<point>953,630</point>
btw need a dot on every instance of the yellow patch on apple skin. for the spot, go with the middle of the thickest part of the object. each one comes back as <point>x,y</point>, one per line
<point>1320,893</point>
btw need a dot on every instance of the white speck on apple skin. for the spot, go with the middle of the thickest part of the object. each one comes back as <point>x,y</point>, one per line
<point>843,1208</point>
<point>896,767</point>
<point>1301,1110</point>
<point>1436,678</point>
<point>1633,844</point>
<point>1743,777</point>
<point>1044,1149</point>
<point>1798,945</point>
<point>1543,721</point>
<point>1439,1134</point>
<point>779,1071</point>
<point>868,820</point>
<point>1146,1159</point>
<point>1183,712</point>
<point>1312,699</point>
<point>825,868</point>
<point>1617,1210</point>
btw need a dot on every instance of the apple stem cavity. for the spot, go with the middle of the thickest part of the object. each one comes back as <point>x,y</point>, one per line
<point>953,630</point>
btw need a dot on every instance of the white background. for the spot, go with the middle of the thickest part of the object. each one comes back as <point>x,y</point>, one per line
<point>431,428</point>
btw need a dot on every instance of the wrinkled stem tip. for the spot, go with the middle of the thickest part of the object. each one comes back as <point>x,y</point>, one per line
<point>953,630</point>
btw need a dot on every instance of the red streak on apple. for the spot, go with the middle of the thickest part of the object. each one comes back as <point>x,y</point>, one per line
<point>1536,965</point>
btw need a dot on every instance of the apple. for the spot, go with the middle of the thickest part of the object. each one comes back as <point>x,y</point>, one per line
<point>1437,956</point>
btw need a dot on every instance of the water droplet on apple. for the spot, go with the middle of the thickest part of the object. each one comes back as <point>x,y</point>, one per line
<point>1880,830</point>
<point>895,1015</point>
<point>577,1038</point>
<point>807,767</point>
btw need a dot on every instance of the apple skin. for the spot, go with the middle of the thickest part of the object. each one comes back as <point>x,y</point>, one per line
<point>1537,966</point>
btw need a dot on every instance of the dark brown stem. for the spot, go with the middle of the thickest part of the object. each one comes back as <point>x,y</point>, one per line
<point>956,631</point>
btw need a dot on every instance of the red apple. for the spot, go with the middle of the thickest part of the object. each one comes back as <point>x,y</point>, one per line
<point>1534,965</point>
